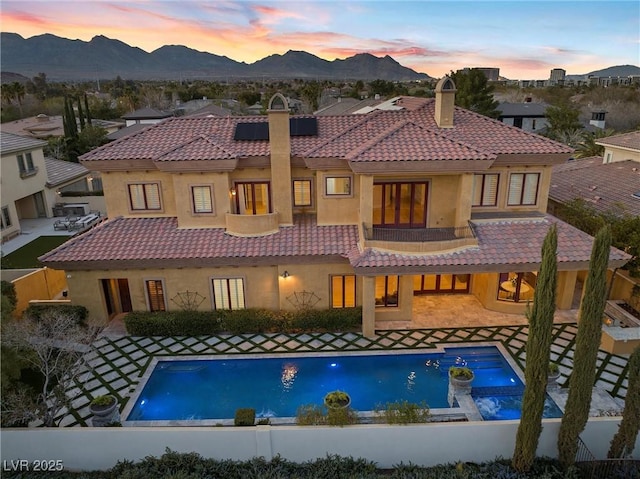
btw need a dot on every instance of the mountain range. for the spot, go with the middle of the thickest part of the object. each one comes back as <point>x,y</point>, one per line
<point>104,58</point>
<point>62,59</point>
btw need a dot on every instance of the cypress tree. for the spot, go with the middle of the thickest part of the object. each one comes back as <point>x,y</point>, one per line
<point>540,318</point>
<point>80,114</point>
<point>624,440</point>
<point>86,109</point>
<point>588,336</point>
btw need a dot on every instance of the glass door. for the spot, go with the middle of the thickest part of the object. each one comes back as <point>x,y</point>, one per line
<point>400,205</point>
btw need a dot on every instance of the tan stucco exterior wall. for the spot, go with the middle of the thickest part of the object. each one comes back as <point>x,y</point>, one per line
<point>614,154</point>
<point>280,147</point>
<point>443,201</point>
<point>264,285</point>
<point>44,284</point>
<point>219,183</point>
<point>336,210</point>
<point>115,184</point>
<point>503,189</point>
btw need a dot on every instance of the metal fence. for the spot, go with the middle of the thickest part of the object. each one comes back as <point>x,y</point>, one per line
<point>419,235</point>
<point>591,468</point>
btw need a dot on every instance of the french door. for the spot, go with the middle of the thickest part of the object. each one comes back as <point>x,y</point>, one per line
<point>400,205</point>
<point>253,198</point>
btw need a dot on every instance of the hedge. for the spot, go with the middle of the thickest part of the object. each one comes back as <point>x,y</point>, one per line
<point>201,323</point>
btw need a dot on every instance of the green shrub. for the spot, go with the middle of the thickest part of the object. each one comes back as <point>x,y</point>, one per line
<point>104,400</point>
<point>77,312</point>
<point>310,415</point>
<point>460,372</point>
<point>241,321</point>
<point>403,412</point>
<point>341,416</point>
<point>9,290</point>
<point>264,421</point>
<point>245,417</point>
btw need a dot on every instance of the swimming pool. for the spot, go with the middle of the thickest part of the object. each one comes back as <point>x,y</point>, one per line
<point>180,389</point>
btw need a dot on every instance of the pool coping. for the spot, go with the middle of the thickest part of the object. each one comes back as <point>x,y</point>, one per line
<point>466,408</point>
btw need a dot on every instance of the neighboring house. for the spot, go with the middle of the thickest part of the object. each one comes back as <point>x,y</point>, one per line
<point>32,184</point>
<point>625,146</point>
<point>65,178</point>
<point>368,210</point>
<point>24,176</point>
<point>528,116</point>
<point>45,126</point>
<point>146,116</point>
<point>608,184</point>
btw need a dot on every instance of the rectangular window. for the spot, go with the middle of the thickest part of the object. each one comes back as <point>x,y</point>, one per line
<point>26,166</point>
<point>485,190</point>
<point>30,166</point>
<point>155,295</point>
<point>202,201</point>
<point>6,217</point>
<point>301,192</point>
<point>387,291</point>
<point>337,185</point>
<point>228,293</point>
<point>523,188</point>
<point>145,196</point>
<point>343,291</point>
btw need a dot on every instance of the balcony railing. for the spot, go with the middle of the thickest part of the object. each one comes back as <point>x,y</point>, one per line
<point>406,235</point>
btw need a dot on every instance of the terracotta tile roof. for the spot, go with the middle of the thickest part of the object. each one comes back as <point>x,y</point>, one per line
<point>160,241</point>
<point>625,140</point>
<point>197,148</point>
<point>501,245</point>
<point>407,141</point>
<point>338,137</point>
<point>605,187</point>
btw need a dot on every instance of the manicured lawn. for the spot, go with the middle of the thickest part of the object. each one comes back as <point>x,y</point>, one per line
<point>27,256</point>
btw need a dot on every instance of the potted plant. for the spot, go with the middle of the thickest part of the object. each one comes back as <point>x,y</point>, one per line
<point>460,375</point>
<point>553,373</point>
<point>337,400</point>
<point>103,406</point>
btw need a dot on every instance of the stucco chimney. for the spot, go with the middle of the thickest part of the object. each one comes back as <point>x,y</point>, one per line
<point>445,100</point>
<point>280,147</point>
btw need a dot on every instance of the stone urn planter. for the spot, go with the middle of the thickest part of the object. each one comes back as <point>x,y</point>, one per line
<point>104,410</point>
<point>337,400</point>
<point>553,373</point>
<point>460,377</point>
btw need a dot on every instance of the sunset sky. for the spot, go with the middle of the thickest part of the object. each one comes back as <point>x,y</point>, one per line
<point>525,39</point>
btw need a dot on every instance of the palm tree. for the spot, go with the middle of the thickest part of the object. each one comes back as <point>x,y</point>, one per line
<point>587,146</point>
<point>18,93</point>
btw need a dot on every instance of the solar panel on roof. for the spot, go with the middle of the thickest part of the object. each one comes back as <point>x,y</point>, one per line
<point>260,130</point>
<point>252,131</point>
<point>303,126</point>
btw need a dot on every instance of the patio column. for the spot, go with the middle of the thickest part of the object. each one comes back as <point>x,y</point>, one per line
<point>566,289</point>
<point>369,306</point>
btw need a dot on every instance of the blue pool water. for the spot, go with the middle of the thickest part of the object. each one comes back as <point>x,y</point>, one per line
<point>276,387</point>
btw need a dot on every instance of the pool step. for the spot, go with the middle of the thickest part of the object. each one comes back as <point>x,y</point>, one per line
<point>497,391</point>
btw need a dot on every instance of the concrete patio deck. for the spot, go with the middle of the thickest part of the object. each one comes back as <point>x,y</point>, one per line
<point>118,363</point>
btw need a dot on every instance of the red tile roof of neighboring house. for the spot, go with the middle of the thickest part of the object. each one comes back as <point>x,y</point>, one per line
<point>503,245</point>
<point>339,137</point>
<point>624,140</point>
<point>607,187</point>
<point>159,242</point>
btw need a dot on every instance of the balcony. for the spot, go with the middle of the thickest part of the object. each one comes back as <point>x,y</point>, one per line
<point>421,240</point>
<point>252,225</point>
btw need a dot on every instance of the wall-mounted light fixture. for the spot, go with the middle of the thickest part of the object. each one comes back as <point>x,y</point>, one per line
<point>232,191</point>
<point>285,274</point>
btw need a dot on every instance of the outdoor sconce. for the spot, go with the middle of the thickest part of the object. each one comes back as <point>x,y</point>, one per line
<point>232,191</point>
<point>285,274</point>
